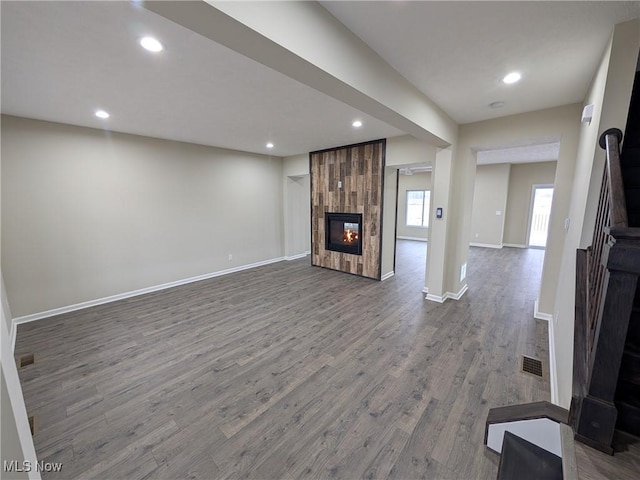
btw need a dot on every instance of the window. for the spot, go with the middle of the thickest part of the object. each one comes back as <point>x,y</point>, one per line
<point>418,202</point>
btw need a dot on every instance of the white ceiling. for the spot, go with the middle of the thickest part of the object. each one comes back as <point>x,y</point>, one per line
<point>457,52</point>
<point>63,60</point>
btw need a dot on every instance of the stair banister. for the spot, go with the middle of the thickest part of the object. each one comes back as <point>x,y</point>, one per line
<point>612,264</point>
<point>610,142</point>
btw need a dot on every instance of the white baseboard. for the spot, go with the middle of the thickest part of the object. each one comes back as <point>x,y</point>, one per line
<point>425,290</point>
<point>541,315</point>
<point>436,298</point>
<point>458,296</point>
<point>387,275</point>
<point>553,369</point>
<point>13,334</point>
<point>299,255</point>
<point>514,245</point>
<point>121,296</point>
<point>451,295</point>
<point>485,245</point>
<point>418,239</point>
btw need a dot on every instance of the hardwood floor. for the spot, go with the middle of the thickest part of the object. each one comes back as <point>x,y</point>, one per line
<point>289,371</point>
<point>623,465</point>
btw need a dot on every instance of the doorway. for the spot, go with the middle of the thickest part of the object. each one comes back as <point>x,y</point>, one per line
<point>413,209</point>
<point>541,200</point>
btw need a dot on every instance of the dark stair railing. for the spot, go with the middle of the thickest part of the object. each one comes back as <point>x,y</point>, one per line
<point>606,281</point>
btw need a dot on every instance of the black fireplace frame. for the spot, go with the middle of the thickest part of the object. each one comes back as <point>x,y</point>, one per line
<point>347,218</point>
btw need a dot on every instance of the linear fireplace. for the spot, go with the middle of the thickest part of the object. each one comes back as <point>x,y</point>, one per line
<point>343,232</point>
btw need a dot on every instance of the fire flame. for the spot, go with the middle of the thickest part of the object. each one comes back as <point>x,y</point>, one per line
<point>350,236</point>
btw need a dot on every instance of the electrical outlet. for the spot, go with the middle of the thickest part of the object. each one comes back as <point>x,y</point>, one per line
<point>230,257</point>
<point>463,271</point>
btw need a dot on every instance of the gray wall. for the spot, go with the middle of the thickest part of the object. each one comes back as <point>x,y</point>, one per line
<point>88,214</point>
<point>297,205</point>
<point>489,204</point>
<point>521,181</point>
<point>507,188</point>
<point>298,213</point>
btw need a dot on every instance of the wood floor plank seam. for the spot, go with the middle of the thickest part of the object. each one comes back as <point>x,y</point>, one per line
<point>288,371</point>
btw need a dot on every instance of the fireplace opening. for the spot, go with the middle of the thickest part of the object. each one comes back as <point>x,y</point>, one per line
<point>343,232</point>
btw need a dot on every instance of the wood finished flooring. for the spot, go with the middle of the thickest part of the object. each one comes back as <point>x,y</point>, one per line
<point>289,371</point>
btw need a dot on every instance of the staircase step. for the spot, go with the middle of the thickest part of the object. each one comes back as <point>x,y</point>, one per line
<point>525,461</point>
<point>628,418</point>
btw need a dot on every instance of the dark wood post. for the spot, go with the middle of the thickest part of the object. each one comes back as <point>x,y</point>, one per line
<point>597,414</point>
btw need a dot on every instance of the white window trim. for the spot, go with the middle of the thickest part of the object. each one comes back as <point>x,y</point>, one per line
<point>406,209</point>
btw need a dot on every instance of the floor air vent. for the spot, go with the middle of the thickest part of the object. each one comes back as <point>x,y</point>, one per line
<point>532,365</point>
<point>28,359</point>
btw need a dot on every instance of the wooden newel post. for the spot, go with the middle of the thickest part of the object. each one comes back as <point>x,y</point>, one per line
<point>597,417</point>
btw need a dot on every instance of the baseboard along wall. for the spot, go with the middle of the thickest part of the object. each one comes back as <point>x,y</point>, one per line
<point>417,239</point>
<point>553,371</point>
<point>13,335</point>
<point>121,296</point>
<point>485,245</point>
<point>387,275</point>
<point>299,255</point>
<point>451,295</point>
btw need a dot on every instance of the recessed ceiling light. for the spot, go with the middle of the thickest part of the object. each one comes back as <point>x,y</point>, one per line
<point>496,104</point>
<point>357,124</point>
<point>151,44</point>
<point>512,77</point>
<point>101,114</point>
<point>269,145</point>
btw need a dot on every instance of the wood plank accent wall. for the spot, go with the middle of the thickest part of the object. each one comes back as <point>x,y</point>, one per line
<point>360,168</point>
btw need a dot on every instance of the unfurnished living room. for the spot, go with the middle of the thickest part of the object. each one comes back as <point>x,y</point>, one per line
<point>329,239</point>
